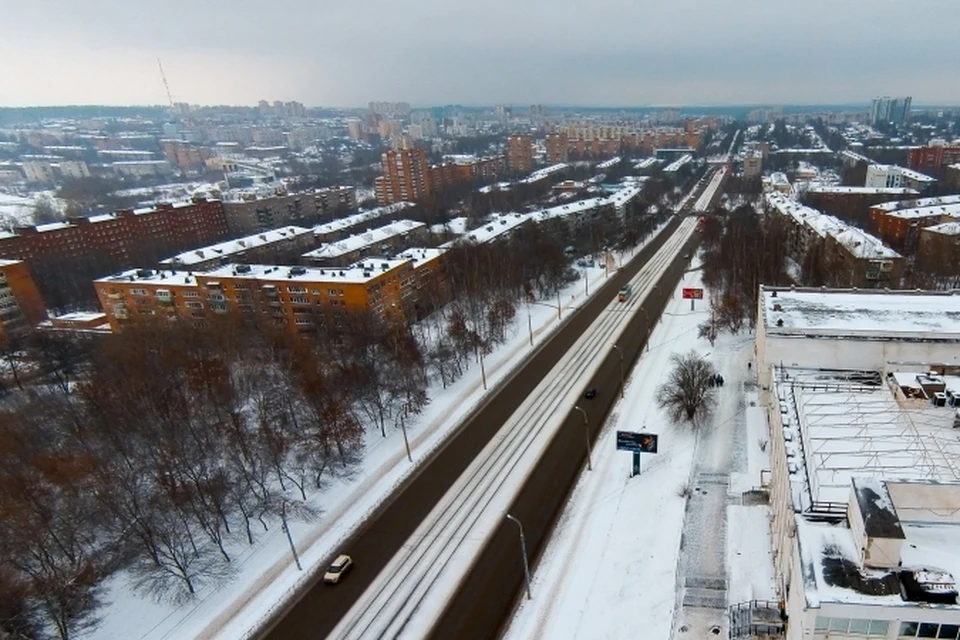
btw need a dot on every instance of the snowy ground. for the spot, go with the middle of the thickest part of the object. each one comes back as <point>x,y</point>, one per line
<point>265,572</point>
<point>611,569</point>
<point>18,210</point>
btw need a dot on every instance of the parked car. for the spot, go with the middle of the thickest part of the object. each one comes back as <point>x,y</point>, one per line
<point>337,569</point>
<point>591,393</point>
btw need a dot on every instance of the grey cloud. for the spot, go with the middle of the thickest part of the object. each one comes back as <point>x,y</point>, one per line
<point>584,51</point>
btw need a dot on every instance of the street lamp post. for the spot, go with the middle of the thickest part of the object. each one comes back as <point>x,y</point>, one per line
<point>403,428</point>
<point>529,325</point>
<point>586,283</point>
<point>523,551</point>
<point>620,352</point>
<point>586,428</point>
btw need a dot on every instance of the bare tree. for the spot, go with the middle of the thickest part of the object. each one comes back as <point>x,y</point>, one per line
<point>688,393</point>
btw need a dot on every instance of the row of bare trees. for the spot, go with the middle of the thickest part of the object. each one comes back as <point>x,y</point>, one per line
<point>742,250</point>
<point>164,450</point>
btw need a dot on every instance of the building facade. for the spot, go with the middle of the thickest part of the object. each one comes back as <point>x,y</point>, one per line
<point>300,299</point>
<point>520,153</point>
<point>21,307</point>
<point>938,249</point>
<point>557,150</point>
<point>853,203</point>
<point>932,160</point>
<point>406,177</point>
<point>123,237</point>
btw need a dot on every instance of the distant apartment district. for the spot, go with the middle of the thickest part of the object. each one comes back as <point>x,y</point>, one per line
<point>860,379</point>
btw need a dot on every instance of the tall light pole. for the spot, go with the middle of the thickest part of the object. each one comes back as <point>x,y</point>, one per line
<point>523,550</point>
<point>586,428</point>
<point>586,283</point>
<point>529,324</point>
<point>403,428</point>
<point>620,352</point>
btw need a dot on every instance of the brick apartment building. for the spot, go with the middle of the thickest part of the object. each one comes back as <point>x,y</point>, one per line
<point>406,176</point>
<point>183,155</point>
<point>299,298</point>
<point>932,160</point>
<point>465,169</point>
<point>251,215</point>
<point>853,203</point>
<point>21,307</point>
<point>938,249</point>
<point>899,223</point>
<point>122,237</point>
<point>557,149</point>
<point>520,153</point>
<point>850,256</point>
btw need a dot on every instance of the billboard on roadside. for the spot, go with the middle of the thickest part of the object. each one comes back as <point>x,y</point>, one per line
<point>637,442</point>
<point>690,293</point>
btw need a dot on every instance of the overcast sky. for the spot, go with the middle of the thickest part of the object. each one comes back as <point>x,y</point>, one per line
<point>596,52</point>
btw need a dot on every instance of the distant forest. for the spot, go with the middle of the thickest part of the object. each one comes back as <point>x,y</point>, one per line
<point>16,115</point>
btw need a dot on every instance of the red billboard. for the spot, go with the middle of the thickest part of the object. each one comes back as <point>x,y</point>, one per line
<point>692,294</point>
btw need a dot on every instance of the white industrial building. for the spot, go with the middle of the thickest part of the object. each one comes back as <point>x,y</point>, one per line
<point>862,391</point>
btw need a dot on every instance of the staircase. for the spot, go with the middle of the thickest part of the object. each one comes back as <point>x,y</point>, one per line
<point>757,619</point>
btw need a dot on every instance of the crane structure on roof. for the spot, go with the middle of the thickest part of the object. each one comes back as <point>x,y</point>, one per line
<point>166,86</point>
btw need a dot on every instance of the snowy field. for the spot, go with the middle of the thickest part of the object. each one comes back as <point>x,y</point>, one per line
<point>265,572</point>
<point>18,210</point>
<point>611,568</point>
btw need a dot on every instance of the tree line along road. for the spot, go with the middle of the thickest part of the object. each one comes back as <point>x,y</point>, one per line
<point>317,609</point>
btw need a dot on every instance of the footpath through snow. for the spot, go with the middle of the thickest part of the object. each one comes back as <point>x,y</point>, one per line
<point>614,567</point>
<point>265,573</point>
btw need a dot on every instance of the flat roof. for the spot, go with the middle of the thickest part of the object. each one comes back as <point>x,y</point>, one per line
<point>341,224</point>
<point>893,191</point>
<point>167,277</point>
<point>860,312</point>
<point>421,255</point>
<point>952,210</point>
<point>496,226</point>
<point>360,272</point>
<point>945,228</point>
<point>540,174</point>
<point>232,247</point>
<point>915,204</point>
<point>366,239</point>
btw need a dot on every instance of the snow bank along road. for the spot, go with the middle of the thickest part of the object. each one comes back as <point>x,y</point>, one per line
<point>404,601</point>
<point>484,595</point>
<point>317,609</point>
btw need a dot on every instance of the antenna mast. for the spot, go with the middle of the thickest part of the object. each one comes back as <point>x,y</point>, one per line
<point>165,84</point>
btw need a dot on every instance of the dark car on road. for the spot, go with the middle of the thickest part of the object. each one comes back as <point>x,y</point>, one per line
<point>591,393</point>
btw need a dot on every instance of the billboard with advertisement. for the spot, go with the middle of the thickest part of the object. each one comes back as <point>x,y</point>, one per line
<point>637,442</point>
<point>690,293</point>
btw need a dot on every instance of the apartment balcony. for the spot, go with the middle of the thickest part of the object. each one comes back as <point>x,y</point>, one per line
<point>115,296</point>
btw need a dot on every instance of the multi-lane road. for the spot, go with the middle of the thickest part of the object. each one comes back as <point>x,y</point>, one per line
<point>412,554</point>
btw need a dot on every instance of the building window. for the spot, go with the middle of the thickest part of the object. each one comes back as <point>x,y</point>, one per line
<point>138,292</point>
<point>191,294</point>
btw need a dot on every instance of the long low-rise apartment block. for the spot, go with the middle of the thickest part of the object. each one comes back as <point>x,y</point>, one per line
<point>279,245</point>
<point>300,298</point>
<point>900,226</point>
<point>383,240</point>
<point>21,307</point>
<point>849,255</point>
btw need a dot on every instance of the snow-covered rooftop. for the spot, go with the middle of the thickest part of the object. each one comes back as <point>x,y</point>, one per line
<point>946,228</point>
<point>679,162</point>
<point>950,210</point>
<point>858,242</point>
<point>8,263</point>
<point>645,163</point>
<point>861,312</point>
<point>342,224</point>
<point>421,255</point>
<point>233,247</point>
<point>540,174</point>
<point>367,239</point>
<point>170,277</point>
<point>359,272</point>
<point>836,189</point>
<point>612,162</point>
<point>915,204</point>
<point>495,227</point>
